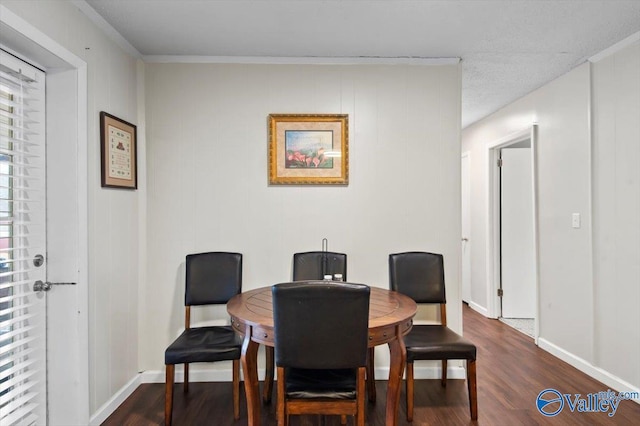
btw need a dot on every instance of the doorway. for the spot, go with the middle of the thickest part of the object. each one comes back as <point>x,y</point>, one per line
<point>67,350</point>
<point>512,255</point>
<point>517,286</point>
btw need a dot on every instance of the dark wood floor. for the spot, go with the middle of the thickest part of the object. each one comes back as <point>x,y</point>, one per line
<point>512,371</point>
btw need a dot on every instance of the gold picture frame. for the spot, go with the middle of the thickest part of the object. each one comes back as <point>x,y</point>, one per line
<point>308,149</point>
<point>118,147</point>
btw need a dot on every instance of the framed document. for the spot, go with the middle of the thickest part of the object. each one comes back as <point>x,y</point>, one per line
<point>118,146</point>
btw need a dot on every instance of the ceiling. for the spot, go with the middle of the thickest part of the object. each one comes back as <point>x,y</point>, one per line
<point>508,47</point>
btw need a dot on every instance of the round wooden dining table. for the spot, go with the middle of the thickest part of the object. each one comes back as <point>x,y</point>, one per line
<point>390,317</point>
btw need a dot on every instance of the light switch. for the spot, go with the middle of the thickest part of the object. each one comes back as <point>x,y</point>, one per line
<point>575,220</point>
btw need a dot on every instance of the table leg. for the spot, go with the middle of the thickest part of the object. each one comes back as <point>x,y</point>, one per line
<point>267,389</point>
<point>249,359</point>
<point>396,370</point>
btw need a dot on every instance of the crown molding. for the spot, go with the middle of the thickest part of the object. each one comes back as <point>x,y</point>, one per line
<point>302,60</point>
<point>633,38</point>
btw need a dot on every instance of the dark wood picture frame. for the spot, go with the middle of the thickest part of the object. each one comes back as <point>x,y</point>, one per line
<point>118,152</point>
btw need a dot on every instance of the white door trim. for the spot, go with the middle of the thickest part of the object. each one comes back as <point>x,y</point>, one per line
<point>493,218</point>
<point>466,245</point>
<point>47,45</point>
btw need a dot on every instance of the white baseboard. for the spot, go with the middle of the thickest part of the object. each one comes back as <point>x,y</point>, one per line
<point>453,372</point>
<point>614,382</point>
<point>382,373</point>
<point>218,375</point>
<point>114,402</point>
<point>479,309</point>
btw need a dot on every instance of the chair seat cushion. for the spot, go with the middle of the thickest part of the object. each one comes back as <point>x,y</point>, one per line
<point>204,344</point>
<point>434,342</point>
<point>307,383</point>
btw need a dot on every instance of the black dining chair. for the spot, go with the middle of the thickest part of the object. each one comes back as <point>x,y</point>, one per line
<point>420,275</point>
<point>211,278</point>
<point>314,265</point>
<point>321,334</point>
<point>310,265</point>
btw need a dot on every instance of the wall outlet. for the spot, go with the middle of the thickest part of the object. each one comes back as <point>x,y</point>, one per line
<point>575,220</point>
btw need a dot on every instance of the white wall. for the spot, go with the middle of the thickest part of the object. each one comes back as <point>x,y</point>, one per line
<point>616,213</point>
<point>207,172</point>
<point>113,215</point>
<point>588,297</point>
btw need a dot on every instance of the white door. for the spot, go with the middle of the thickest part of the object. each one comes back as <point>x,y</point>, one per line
<point>516,234</point>
<point>466,227</point>
<point>22,239</point>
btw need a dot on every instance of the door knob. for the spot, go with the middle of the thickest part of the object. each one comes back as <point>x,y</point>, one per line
<point>40,286</point>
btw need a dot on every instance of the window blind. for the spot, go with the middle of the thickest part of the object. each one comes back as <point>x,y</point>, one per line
<point>22,236</point>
